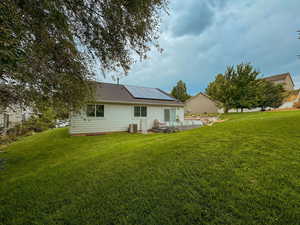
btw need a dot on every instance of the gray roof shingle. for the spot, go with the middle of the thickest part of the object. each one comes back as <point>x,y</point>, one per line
<point>117,93</point>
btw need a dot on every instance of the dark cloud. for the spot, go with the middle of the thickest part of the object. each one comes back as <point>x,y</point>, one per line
<point>202,37</point>
<point>194,20</point>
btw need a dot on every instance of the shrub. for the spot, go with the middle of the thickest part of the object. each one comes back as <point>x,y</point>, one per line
<point>41,122</point>
<point>6,139</point>
<point>36,123</point>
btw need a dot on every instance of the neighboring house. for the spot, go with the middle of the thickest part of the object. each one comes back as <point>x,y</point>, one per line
<point>10,117</point>
<point>117,106</point>
<point>199,104</point>
<point>285,79</point>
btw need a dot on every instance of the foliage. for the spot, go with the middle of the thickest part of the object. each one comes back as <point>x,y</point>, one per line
<point>269,94</point>
<point>37,123</point>
<point>180,91</point>
<point>223,90</point>
<point>242,171</point>
<point>245,82</point>
<point>13,133</point>
<point>42,121</point>
<point>48,47</point>
<point>240,88</point>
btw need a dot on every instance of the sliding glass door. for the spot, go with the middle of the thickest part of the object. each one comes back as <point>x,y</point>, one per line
<point>170,115</point>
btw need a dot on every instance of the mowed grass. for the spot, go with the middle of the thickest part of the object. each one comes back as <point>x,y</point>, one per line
<point>243,171</point>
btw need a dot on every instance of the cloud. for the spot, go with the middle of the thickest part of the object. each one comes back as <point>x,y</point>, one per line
<point>192,17</point>
<point>193,20</point>
<point>201,38</point>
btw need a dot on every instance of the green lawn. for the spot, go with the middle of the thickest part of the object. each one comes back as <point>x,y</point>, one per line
<point>243,171</point>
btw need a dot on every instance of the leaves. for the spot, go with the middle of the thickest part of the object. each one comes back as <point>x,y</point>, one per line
<point>240,88</point>
<point>180,92</point>
<point>269,94</point>
<point>48,48</point>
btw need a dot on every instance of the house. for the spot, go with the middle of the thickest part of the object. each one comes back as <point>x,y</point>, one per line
<point>285,79</point>
<point>117,106</point>
<point>200,104</point>
<point>12,116</point>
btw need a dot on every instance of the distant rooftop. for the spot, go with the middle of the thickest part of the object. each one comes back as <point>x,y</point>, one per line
<point>279,77</point>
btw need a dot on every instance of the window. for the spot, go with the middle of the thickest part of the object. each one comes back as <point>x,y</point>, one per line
<point>95,111</point>
<point>140,111</point>
<point>144,111</point>
<point>99,110</point>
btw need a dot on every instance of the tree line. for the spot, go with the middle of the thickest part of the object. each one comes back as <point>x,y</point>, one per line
<point>241,88</point>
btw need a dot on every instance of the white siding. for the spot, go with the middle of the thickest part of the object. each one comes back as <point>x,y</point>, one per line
<point>117,117</point>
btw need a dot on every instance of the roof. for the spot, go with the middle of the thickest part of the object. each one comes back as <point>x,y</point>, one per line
<point>277,77</point>
<point>117,93</point>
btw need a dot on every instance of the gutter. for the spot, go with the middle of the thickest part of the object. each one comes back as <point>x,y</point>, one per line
<point>139,103</point>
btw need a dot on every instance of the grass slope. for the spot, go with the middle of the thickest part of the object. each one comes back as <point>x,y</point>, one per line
<point>243,171</point>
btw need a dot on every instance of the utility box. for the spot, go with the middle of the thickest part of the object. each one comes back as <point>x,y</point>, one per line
<point>133,128</point>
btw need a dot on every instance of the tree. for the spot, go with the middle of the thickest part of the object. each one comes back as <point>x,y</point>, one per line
<point>222,89</point>
<point>236,88</point>
<point>269,94</point>
<point>180,92</point>
<point>245,83</point>
<point>48,47</point>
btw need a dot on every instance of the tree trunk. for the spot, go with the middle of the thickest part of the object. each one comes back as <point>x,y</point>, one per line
<point>242,109</point>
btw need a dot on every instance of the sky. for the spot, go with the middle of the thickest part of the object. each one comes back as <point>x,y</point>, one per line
<point>201,38</point>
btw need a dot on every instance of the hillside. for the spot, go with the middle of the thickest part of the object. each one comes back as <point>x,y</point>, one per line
<point>242,171</point>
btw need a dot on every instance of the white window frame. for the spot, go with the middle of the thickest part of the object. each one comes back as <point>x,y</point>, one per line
<point>140,114</point>
<point>95,111</point>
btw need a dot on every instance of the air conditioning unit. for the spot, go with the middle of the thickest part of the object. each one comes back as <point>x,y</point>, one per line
<point>133,128</point>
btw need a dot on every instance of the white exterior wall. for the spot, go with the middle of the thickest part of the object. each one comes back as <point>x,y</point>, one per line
<point>117,117</point>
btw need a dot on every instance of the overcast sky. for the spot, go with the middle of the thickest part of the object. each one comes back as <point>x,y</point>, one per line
<point>201,38</point>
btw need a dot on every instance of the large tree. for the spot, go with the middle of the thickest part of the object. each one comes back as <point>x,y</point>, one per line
<point>180,91</point>
<point>48,47</point>
<point>222,89</point>
<point>245,83</point>
<point>236,88</point>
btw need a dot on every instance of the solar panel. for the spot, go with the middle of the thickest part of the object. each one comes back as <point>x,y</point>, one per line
<point>147,93</point>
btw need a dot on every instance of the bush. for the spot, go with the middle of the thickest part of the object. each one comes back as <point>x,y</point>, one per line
<point>36,123</point>
<point>41,122</point>
<point>6,139</point>
<point>18,130</point>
